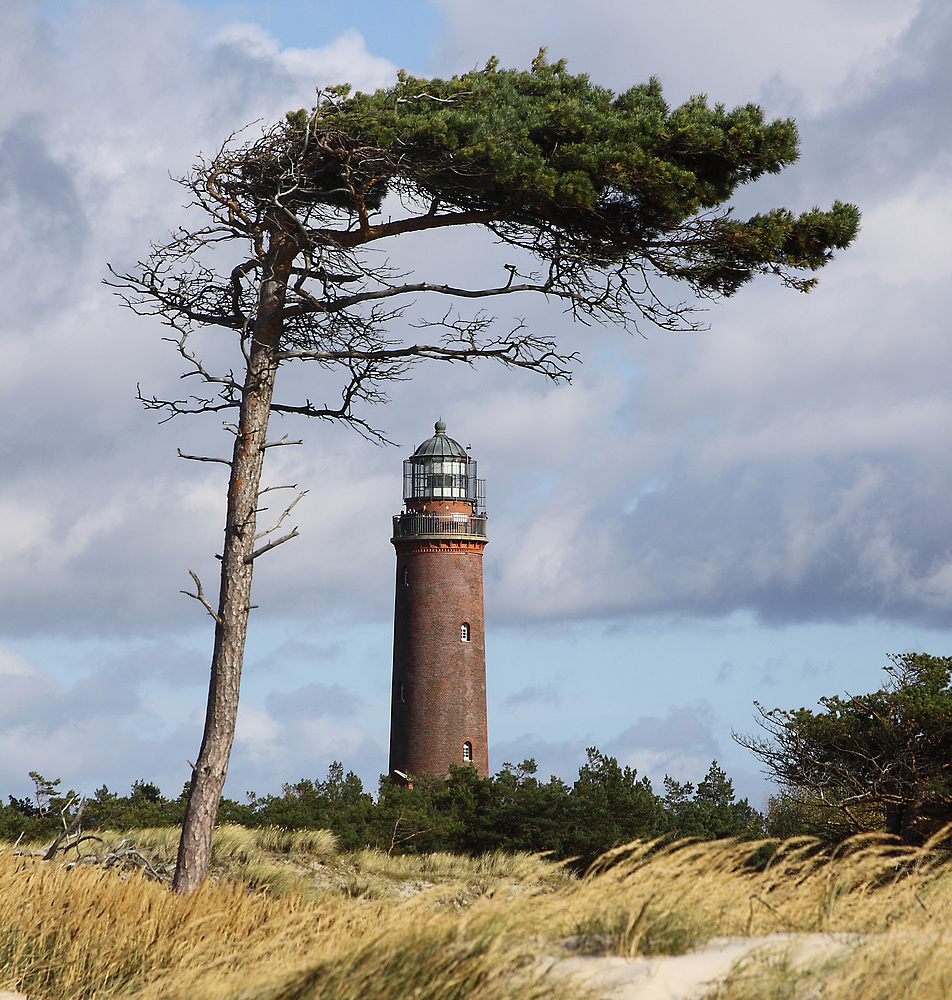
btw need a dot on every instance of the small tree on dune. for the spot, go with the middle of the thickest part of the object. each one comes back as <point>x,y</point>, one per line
<point>874,761</point>
<point>608,194</point>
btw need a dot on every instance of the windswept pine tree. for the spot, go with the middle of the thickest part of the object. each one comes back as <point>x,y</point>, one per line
<point>611,196</point>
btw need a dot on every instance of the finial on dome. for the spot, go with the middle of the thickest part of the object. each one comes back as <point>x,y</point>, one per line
<point>439,427</point>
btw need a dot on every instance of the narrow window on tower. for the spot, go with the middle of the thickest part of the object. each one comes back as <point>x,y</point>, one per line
<point>467,752</point>
<point>406,576</point>
<point>402,692</point>
<point>464,632</point>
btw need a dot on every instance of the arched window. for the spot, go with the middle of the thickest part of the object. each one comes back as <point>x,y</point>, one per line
<point>467,752</point>
<point>464,632</point>
<point>402,692</point>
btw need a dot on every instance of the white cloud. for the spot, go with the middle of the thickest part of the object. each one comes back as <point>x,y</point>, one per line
<point>13,664</point>
<point>782,382</point>
<point>258,735</point>
<point>905,238</point>
<point>345,59</point>
<point>794,461</point>
<point>732,51</point>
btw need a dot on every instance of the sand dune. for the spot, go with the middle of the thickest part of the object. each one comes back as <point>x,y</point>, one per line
<point>690,976</point>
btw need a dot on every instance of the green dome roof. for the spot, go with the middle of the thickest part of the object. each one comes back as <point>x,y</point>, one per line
<point>441,446</point>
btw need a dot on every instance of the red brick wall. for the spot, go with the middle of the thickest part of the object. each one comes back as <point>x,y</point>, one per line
<point>439,586</point>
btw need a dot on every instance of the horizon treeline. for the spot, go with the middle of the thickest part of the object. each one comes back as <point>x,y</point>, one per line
<point>461,813</point>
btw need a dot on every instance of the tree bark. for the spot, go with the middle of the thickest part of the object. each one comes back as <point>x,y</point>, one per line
<point>234,601</point>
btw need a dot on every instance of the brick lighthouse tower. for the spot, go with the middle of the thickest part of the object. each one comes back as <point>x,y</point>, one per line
<point>438,706</point>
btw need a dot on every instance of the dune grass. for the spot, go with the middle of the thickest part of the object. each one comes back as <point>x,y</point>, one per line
<point>477,928</point>
<point>235,843</point>
<point>308,864</point>
<point>87,933</point>
<point>641,900</point>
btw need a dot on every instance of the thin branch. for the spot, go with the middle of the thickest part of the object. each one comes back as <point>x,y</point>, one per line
<point>279,444</point>
<point>342,413</point>
<point>201,458</point>
<point>414,224</point>
<point>348,301</point>
<point>267,548</point>
<point>67,828</point>
<point>287,510</point>
<point>73,845</point>
<point>200,596</point>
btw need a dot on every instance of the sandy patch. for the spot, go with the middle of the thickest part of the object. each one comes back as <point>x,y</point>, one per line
<point>691,976</point>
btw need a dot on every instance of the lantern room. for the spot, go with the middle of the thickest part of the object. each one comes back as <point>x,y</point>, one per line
<point>441,470</point>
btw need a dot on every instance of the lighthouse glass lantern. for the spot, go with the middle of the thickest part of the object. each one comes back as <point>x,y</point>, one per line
<point>438,699</point>
<point>441,469</point>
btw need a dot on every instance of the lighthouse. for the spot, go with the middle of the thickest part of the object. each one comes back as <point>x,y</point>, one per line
<point>438,700</point>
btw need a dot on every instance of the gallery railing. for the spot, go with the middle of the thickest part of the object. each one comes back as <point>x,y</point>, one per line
<point>414,525</point>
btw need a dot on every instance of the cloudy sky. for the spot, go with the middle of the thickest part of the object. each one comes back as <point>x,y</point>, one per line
<point>757,511</point>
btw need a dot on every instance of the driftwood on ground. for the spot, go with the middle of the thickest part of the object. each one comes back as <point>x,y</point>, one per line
<point>71,838</point>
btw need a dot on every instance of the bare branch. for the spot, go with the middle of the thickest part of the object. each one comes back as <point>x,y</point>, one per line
<point>268,489</point>
<point>414,224</point>
<point>349,301</point>
<point>68,828</point>
<point>200,458</point>
<point>249,559</point>
<point>280,444</point>
<point>200,596</point>
<point>287,510</point>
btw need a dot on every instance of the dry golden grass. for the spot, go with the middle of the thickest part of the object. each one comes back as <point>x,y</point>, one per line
<point>308,863</point>
<point>888,966</point>
<point>232,843</point>
<point>88,933</point>
<point>640,900</point>
<point>478,927</point>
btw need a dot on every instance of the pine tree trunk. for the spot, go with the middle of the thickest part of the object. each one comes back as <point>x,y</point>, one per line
<point>234,602</point>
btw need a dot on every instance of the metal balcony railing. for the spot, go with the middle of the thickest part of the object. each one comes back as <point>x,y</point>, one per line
<point>416,525</point>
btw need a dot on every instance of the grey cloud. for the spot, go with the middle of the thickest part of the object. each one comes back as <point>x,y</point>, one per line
<point>24,697</point>
<point>43,188</point>
<point>244,71</point>
<point>163,662</point>
<point>693,543</point>
<point>367,759</point>
<point>100,520</point>
<point>898,124</point>
<point>532,695</point>
<point>248,64</point>
<point>791,541</point>
<point>43,226</point>
<point>794,461</point>
<point>40,705</point>
<point>84,754</point>
<point>301,654</point>
<point>685,730</point>
<point>681,743</point>
<point>724,671</point>
<point>105,726</point>
<point>103,694</point>
<point>810,49</point>
<point>561,758</point>
<point>886,126</point>
<point>311,702</point>
<point>95,557</point>
<point>811,669</point>
<point>775,671</point>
